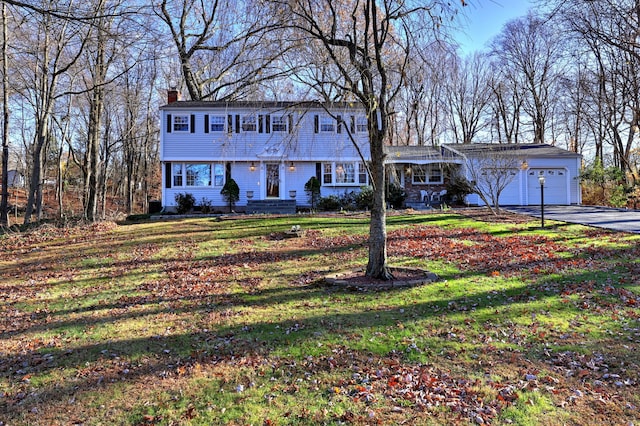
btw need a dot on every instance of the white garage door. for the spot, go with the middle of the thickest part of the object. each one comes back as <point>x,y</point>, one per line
<point>555,186</point>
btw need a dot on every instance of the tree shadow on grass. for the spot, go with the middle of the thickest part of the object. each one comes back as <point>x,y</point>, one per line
<point>133,359</point>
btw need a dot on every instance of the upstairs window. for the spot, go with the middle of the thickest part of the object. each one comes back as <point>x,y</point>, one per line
<point>180,123</point>
<point>248,123</point>
<point>361,124</point>
<point>327,124</point>
<point>216,123</point>
<point>278,123</point>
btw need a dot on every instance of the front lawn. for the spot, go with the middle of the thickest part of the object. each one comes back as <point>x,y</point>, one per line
<point>224,321</point>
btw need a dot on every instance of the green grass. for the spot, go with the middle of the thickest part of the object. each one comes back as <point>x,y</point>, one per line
<point>208,321</point>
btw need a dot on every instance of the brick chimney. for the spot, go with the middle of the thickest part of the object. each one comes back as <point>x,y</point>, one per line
<point>173,95</point>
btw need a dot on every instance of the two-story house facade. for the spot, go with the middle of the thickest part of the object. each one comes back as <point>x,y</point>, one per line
<point>271,149</point>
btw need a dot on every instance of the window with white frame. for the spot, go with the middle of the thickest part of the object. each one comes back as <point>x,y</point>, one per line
<point>425,174</point>
<point>345,173</point>
<point>216,123</point>
<point>218,174</point>
<point>180,123</point>
<point>361,124</point>
<point>248,123</point>
<point>362,173</point>
<point>198,174</point>
<point>176,170</point>
<point>327,124</point>
<point>278,123</point>
<point>327,173</point>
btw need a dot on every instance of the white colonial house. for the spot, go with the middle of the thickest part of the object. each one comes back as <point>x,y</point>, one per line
<point>271,149</point>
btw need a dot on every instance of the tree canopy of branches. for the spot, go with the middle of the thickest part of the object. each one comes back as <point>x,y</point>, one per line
<point>369,45</point>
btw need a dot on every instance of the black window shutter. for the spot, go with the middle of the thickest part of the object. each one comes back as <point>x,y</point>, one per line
<point>169,123</point>
<point>319,171</point>
<point>227,171</point>
<point>267,125</point>
<point>260,123</point>
<point>237,123</point>
<point>353,124</point>
<point>290,123</point>
<point>167,175</point>
<point>206,123</point>
<point>339,124</point>
<point>316,123</point>
<point>193,123</point>
<point>229,123</point>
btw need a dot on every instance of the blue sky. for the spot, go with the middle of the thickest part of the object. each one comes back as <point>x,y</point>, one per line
<point>485,19</point>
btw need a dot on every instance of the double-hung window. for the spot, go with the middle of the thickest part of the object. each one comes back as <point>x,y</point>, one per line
<point>327,124</point>
<point>180,123</point>
<point>218,174</point>
<point>327,173</point>
<point>278,123</point>
<point>362,174</point>
<point>361,124</point>
<point>216,123</point>
<point>177,174</point>
<point>248,123</point>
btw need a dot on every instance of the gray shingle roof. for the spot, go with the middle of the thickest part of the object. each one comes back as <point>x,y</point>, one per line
<point>520,150</point>
<point>263,105</point>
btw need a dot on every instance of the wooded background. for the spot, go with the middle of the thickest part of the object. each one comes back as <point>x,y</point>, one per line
<point>82,83</point>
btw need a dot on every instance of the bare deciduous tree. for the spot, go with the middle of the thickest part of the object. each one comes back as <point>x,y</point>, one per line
<point>370,43</point>
<point>490,170</point>
<point>530,51</point>
<point>225,48</point>
<point>468,96</point>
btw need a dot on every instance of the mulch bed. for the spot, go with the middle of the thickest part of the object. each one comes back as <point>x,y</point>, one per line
<point>402,278</point>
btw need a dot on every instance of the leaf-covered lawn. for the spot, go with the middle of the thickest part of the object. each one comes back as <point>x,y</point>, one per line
<point>224,321</point>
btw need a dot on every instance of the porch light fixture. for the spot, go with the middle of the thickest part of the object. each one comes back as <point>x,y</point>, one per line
<point>252,167</point>
<point>292,167</point>
<point>524,165</point>
<point>541,180</point>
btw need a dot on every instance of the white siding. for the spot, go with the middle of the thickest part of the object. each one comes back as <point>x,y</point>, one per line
<point>301,145</point>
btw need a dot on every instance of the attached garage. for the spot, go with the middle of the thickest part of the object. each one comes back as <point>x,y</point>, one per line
<point>528,162</point>
<point>556,186</point>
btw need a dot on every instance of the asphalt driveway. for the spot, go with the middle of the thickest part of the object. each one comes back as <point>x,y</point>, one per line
<point>601,217</point>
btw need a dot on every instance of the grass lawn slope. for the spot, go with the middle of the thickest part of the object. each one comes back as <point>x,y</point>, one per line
<point>224,321</point>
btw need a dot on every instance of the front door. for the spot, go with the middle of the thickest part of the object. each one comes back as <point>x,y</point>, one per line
<point>273,180</point>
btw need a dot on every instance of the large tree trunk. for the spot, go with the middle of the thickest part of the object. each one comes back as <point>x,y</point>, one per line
<point>35,186</point>
<point>4,199</point>
<point>377,265</point>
